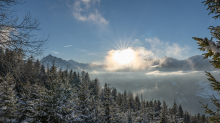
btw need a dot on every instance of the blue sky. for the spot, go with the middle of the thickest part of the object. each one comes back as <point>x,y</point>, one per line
<point>85,30</point>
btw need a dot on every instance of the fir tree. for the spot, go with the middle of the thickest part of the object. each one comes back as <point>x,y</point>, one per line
<point>203,119</point>
<point>180,111</point>
<point>198,117</point>
<point>125,101</point>
<point>186,117</point>
<point>129,116</point>
<point>137,103</point>
<point>98,110</point>
<point>107,104</point>
<point>214,52</point>
<point>84,107</point>
<point>163,113</point>
<point>29,99</point>
<point>114,93</point>
<point>37,66</point>
<point>8,100</point>
<point>57,103</point>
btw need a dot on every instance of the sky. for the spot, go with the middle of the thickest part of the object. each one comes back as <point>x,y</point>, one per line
<point>87,31</point>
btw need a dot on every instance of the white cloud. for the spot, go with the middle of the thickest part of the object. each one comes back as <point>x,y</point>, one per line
<point>85,10</point>
<point>160,73</point>
<point>96,63</point>
<point>67,46</point>
<point>138,61</point>
<point>161,49</point>
<point>55,52</point>
<point>90,54</point>
<point>137,42</point>
<point>157,50</point>
<point>94,72</point>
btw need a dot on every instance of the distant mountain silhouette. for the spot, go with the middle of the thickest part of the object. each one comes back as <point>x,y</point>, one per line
<point>166,63</point>
<point>70,64</point>
<point>192,63</point>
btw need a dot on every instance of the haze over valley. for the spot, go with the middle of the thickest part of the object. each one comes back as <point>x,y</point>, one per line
<point>164,79</point>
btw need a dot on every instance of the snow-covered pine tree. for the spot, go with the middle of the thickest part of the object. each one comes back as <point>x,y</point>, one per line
<point>96,103</point>
<point>57,103</point>
<point>175,111</point>
<point>137,103</point>
<point>95,86</point>
<point>123,104</point>
<point>151,112</point>
<point>29,101</point>
<point>137,111</point>
<point>115,112</point>
<point>70,100</point>
<point>131,102</point>
<point>125,101</point>
<point>213,49</point>
<point>76,79</point>
<point>107,104</point>
<point>143,114</point>
<point>111,108</point>
<point>163,113</point>
<point>8,100</point>
<point>98,110</point>
<point>186,117</point>
<point>84,108</point>
<point>129,116</point>
<point>37,66</point>
<point>114,93</point>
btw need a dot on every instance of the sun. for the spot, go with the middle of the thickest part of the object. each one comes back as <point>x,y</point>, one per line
<point>123,57</point>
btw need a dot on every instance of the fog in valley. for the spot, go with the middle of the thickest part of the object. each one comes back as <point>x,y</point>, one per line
<point>186,87</point>
<point>167,78</point>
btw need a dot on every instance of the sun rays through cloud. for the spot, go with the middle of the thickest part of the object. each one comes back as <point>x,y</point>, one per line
<point>130,53</point>
<point>127,58</point>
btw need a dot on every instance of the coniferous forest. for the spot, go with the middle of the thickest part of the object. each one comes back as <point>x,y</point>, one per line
<point>33,93</point>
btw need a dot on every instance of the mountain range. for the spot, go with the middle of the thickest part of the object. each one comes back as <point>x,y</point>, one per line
<point>196,63</point>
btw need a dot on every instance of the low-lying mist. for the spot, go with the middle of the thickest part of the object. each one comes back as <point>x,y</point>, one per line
<point>185,87</point>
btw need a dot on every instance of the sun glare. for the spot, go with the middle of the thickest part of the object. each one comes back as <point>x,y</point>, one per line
<point>124,57</point>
